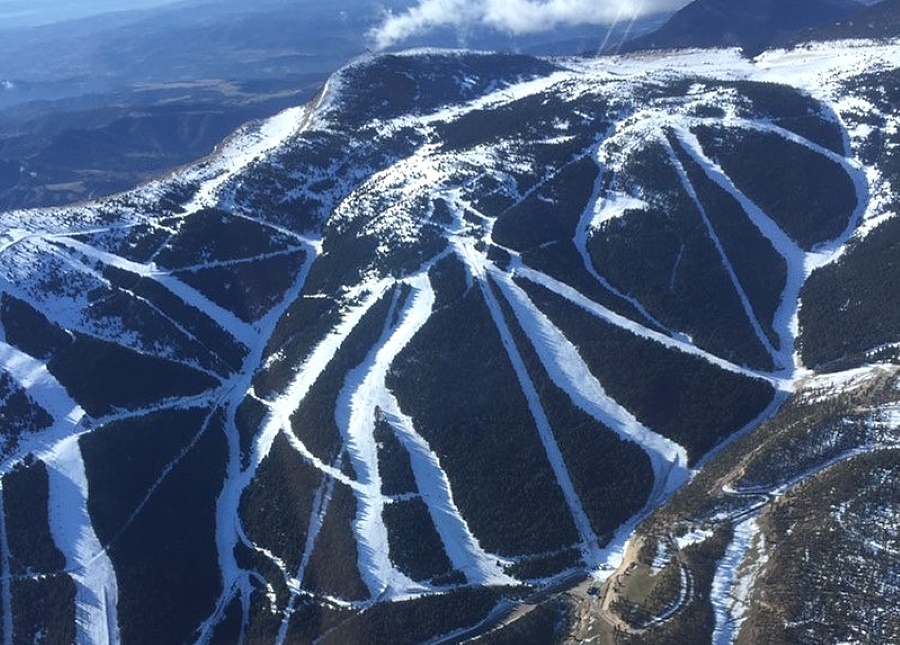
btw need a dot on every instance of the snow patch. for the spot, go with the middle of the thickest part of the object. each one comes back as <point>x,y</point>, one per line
<point>734,579</point>
<point>694,537</point>
<point>614,205</point>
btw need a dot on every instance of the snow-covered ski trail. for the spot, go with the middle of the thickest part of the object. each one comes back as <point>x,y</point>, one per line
<point>285,404</point>
<point>33,376</point>
<point>799,262</point>
<point>728,604</point>
<point>364,391</point>
<point>233,262</point>
<point>606,314</point>
<point>229,160</point>
<point>228,529</point>
<point>829,250</point>
<point>228,524</point>
<point>224,318</point>
<point>589,540</point>
<point>794,256</point>
<point>570,373</point>
<point>242,149</point>
<point>781,357</point>
<point>96,589</point>
<point>727,609</point>
<point>70,524</point>
<point>461,546</point>
<point>321,503</point>
<point>596,205</point>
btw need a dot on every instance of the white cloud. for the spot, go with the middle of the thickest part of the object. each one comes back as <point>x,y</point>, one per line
<point>512,16</point>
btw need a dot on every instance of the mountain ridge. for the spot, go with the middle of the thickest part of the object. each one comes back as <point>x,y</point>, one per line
<point>430,303</point>
<point>756,27</point>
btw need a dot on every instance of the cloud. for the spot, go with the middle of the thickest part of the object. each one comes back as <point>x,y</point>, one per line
<point>511,16</point>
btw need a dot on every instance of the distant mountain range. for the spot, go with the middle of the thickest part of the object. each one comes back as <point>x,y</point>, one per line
<point>881,20</point>
<point>754,25</point>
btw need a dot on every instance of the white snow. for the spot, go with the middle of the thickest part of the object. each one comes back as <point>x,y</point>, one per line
<point>32,375</point>
<point>228,528</point>
<point>784,322</point>
<point>662,557</point>
<point>364,391</point>
<point>819,67</point>
<point>606,207</point>
<point>70,524</point>
<point>816,386</point>
<point>320,507</point>
<point>501,96</point>
<point>461,546</point>
<point>613,206</point>
<point>693,537</point>
<point>733,581</point>
<point>96,590</point>
<point>286,403</point>
<point>241,150</point>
